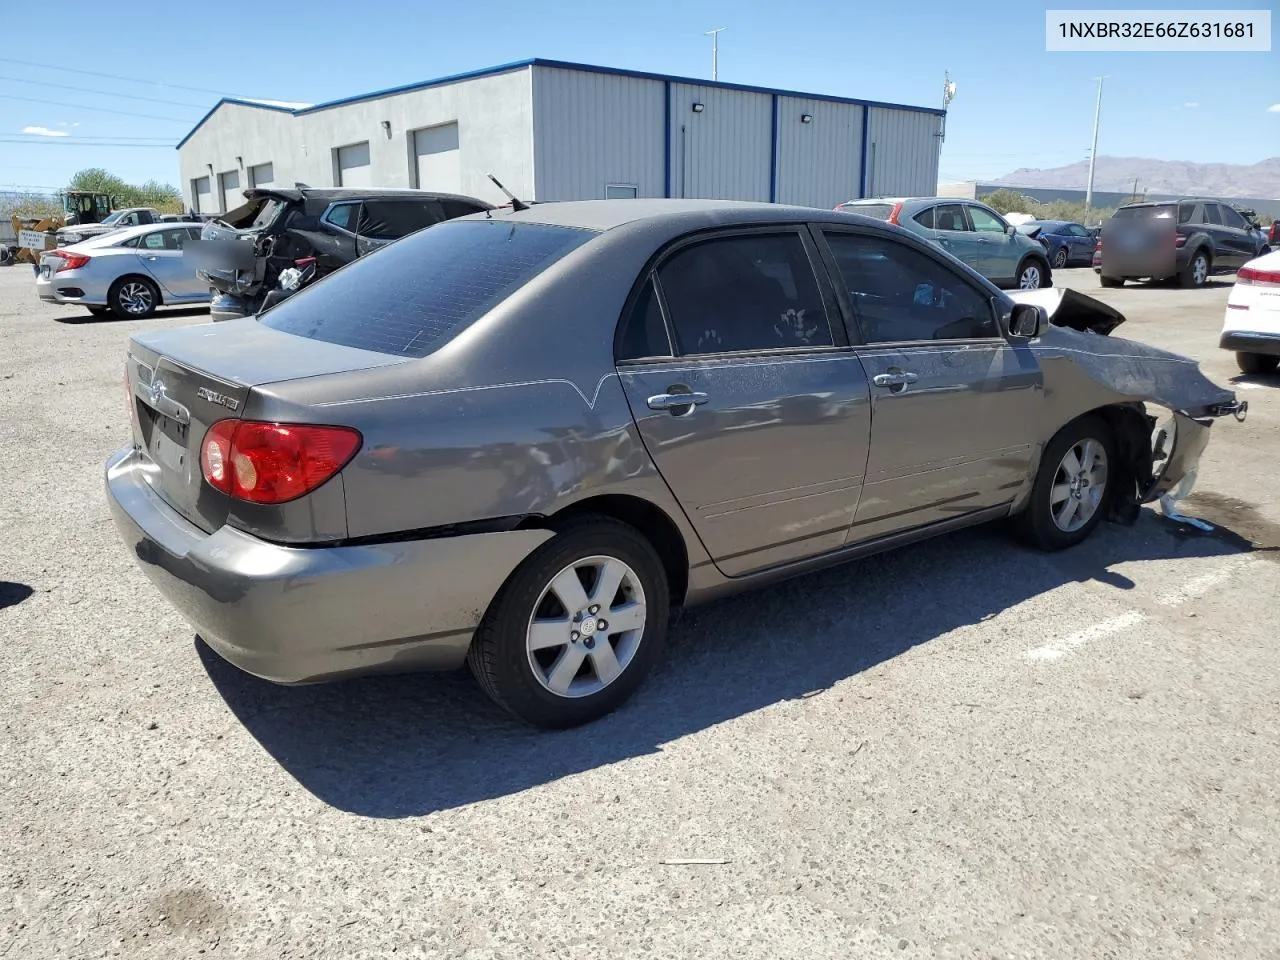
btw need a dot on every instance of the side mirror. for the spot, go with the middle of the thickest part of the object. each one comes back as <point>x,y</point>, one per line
<point>1010,229</point>
<point>1027,321</point>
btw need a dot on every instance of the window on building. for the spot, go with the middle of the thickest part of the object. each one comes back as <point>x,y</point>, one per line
<point>621,191</point>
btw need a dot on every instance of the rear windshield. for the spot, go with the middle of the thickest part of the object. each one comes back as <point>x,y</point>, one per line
<point>414,294</point>
<point>1143,213</point>
<point>879,211</point>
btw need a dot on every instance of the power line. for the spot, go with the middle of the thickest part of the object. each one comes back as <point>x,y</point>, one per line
<point>75,138</point>
<point>81,106</point>
<point>105,93</point>
<point>115,76</point>
<point>64,143</point>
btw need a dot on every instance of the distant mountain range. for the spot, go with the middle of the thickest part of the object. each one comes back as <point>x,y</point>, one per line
<point>1158,176</point>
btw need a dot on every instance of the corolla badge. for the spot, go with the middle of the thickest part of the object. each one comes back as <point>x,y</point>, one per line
<point>221,399</point>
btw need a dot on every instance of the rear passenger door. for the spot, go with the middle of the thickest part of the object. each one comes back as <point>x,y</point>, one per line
<point>954,406</point>
<point>947,225</point>
<point>746,395</point>
<point>382,221</point>
<point>161,254</point>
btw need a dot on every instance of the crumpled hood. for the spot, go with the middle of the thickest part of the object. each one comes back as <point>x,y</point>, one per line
<point>1070,308</point>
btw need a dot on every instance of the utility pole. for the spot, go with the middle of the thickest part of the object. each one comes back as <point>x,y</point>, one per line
<point>715,50</point>
<point>1093,154</point>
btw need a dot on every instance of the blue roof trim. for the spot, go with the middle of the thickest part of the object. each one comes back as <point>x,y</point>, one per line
<point>666,140</point>
<point>562,65</point>
<point>773,154</point>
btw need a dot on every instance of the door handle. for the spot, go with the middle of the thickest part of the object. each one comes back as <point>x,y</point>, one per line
<point>675,401</point>
<point>150,258</point>
<point>899,379</point>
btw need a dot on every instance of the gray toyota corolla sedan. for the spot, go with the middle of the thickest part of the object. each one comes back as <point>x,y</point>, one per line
<point>522,440</point>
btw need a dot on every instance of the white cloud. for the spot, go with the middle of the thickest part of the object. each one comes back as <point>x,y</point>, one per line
<point>1190,105</point>
<point>45,132</point>
<point>1274,108</point>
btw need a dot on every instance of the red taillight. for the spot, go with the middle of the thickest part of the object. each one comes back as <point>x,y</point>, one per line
<point>71,261</point>
<point>273,462</point>
<point>1252,275</point>
<point>893,214</point>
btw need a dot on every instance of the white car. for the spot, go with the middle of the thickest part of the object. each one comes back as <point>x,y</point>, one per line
<point>129,272</point>
<point>1252,324</point>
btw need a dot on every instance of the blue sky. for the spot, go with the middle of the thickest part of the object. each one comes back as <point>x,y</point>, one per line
<point>1016,104</point>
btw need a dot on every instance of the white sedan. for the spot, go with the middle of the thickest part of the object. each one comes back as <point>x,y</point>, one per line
<point>129,272</point>
<point>1252,324</point>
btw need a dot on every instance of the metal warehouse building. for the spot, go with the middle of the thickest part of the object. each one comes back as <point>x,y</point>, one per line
<point>565,131</point>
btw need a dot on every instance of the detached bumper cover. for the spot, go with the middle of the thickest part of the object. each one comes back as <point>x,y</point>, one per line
<point>297,615</point>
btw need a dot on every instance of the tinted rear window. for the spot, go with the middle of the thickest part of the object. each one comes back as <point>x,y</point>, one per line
<point>417,293</point>
<point>1143,213</point>
<point>880,211</point>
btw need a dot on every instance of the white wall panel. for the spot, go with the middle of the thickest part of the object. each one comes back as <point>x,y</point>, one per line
<point>905,153</point>
<point>592,129</point>
<point>820,162</point>
<point>722,152</point>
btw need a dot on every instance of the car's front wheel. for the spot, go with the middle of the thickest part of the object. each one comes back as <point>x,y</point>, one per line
<point>1060,258</point>
<point>1256,363</point>
<point>1111,282</point>
<point>573,632</point>
<point>133,298</point>
<point>1031,275</point>
<point>1071,489</point>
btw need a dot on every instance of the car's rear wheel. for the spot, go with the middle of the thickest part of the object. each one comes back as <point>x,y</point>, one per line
<point>1071,490</point>
<point>1060,258</point>
<point>1196,272</point>
<point>1256,363</point>
<point>1031,275</point>
<point>574,630</point>
<point>133,298</point>
<point>1111,281</point>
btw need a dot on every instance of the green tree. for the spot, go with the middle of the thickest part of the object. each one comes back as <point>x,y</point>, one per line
<point>163,196</point>
<point>33,206</point>
<point>1005,201</point>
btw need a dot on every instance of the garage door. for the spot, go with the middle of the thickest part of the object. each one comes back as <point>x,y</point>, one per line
<point>436,153</point>
<point>229,190</point>
<point>262,175</point>
<point>353,166</point>
<point>202,195</point>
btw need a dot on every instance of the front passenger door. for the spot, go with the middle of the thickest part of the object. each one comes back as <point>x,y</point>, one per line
<point>1237,237</point>
<point>954,407</point>
<point>999,254</point>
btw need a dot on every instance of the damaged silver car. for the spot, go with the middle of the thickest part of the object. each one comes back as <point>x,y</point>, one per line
<point>522,440</point>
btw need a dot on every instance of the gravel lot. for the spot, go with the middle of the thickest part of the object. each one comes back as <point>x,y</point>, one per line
<point>963,749</point>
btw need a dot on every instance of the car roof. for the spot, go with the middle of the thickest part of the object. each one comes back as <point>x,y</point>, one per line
<point>330,194</point>
<point>680,215</point>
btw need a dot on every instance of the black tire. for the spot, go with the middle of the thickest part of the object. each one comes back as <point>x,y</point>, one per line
<point>499,656</point>
<point>1035,525</point>
<point>1031,265</point>
<point>1257,363</point>
<point>99,311</point>
<point>1060,259</point>
<point>1190,276</point>
<point>1111,282</point>
<point>138,307</point>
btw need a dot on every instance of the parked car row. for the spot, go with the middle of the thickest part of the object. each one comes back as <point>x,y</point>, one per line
<point>522,439</point>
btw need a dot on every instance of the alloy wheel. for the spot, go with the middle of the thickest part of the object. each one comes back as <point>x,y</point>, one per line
<point>1030,277</point>
<point>1060,258</point>
<point>135,298</point>
<point>1200,269</point>
<point>586,627</point>
<point>1079,485</point>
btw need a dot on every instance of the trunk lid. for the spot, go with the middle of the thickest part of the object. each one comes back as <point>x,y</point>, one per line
<point>181,382</point>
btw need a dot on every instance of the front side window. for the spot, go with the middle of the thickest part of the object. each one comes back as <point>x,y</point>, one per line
<point>415,295</point>
<point>755,292</point>
<point>1231,217</point>
<point>901,294</point>
<point>1075,230</point>
<point>985,221</point>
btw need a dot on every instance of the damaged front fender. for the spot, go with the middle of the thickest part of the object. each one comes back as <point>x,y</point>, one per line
<point>1087,371</point>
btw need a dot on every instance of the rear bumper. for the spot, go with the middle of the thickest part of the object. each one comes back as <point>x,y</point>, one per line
<point>1243,341</point>
<point>303,614</point>
<point>70,289</point>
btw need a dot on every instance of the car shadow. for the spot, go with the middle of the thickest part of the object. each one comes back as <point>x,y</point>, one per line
<point>163,313</point>
<point>1258,379</point>
<point>12,594</point>
<point>409,745</point>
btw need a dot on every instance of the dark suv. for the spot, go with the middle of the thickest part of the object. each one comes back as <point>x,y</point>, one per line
<point>242,253</point>
<point>1188,239</point>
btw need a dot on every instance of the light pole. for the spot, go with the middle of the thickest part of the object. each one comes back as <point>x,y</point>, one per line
<point>715,50</point>
<point>1093,154</point>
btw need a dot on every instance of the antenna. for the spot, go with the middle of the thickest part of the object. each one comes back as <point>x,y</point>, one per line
<point>715,50</point>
